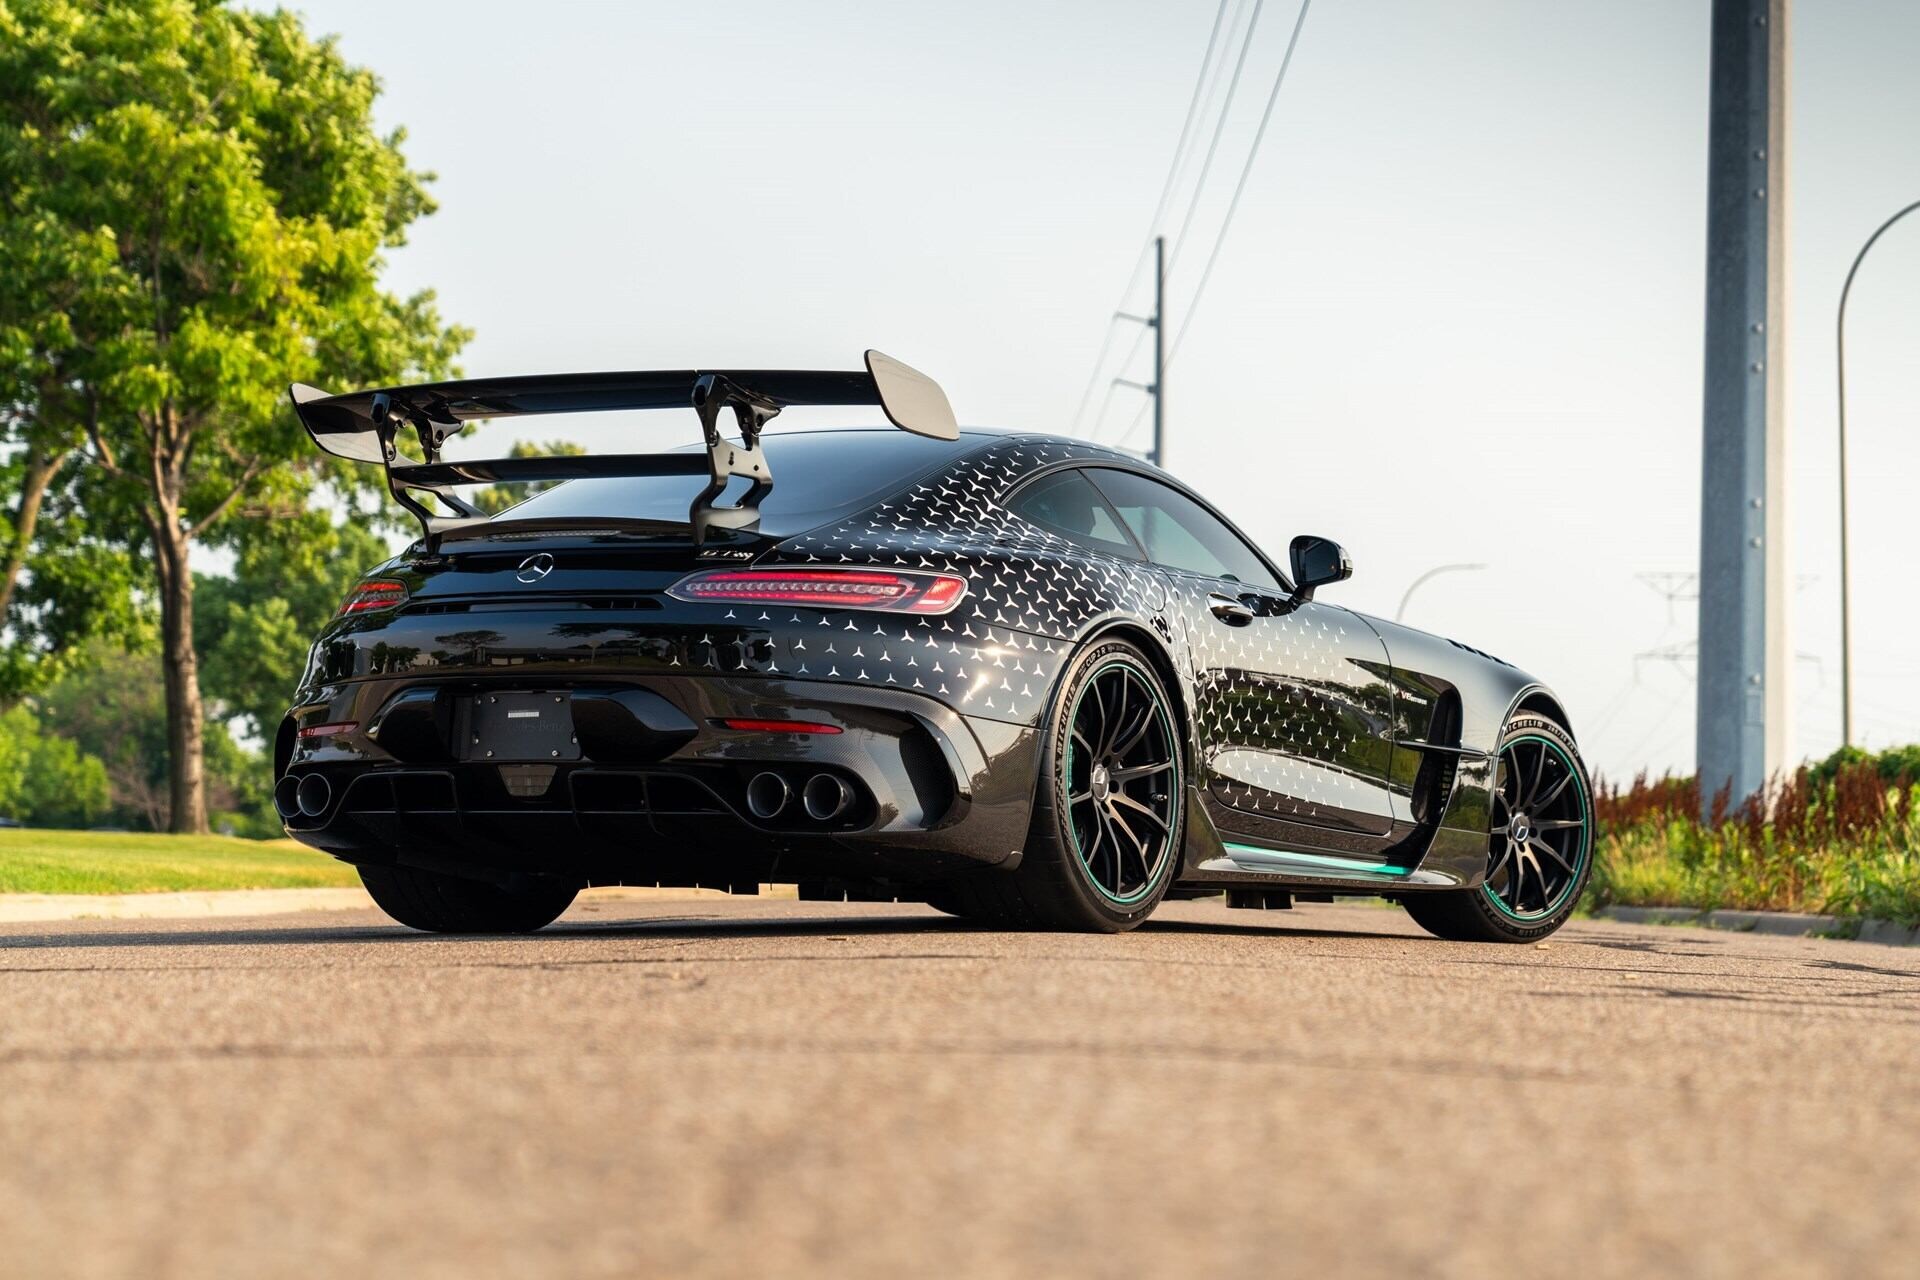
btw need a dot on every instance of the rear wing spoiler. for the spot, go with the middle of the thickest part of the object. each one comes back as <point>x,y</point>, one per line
<point>365,426</point>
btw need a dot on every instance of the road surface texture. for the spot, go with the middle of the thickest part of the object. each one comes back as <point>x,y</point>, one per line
<point>747,1087</point>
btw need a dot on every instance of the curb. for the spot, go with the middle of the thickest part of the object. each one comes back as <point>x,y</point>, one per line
<point>1785,924</point>
<point>30,908</point>
<point>24,908</point>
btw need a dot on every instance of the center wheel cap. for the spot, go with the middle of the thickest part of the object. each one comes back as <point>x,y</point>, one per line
<point>1520,829</point>
<point>1101,783</point>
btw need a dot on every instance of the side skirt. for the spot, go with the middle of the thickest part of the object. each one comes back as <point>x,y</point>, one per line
<point>1211,860</point>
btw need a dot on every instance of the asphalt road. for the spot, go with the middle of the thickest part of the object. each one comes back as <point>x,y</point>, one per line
<point>758,1088</point>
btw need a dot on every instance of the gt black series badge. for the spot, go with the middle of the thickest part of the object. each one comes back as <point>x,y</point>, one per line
<point>534,567</point>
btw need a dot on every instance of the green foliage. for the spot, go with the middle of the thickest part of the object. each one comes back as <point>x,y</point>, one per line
<point>46,780</point>
<point>1840,837</point>
<point>252,629</point>
<point>1891,765</point>
<point>496,498</point>
<point>111,707</point>
<point>194,211</point>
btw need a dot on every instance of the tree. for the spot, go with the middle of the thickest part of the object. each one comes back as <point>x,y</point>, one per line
<point>496,498</point>
<point>289,577</point>
<point>200,202</point>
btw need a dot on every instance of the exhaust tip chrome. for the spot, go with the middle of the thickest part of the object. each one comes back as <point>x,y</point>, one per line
<point>286,797</point>
<point>826,797</point>
<point>313,795</point>
<point>767,795</point>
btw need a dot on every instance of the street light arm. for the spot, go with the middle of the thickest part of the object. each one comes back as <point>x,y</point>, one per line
<point>1840,370</point>
<point>1401,612</point>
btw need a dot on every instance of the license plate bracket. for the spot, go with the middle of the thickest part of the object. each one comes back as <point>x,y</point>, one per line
<point>517,727</point>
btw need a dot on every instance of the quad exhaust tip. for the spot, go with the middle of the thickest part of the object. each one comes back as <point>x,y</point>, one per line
<point>767,794</point>
<point>286,797</point>
<point>826,797</point>
<point>312,796</point>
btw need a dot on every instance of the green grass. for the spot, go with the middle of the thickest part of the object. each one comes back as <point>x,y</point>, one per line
<point>102,862</point>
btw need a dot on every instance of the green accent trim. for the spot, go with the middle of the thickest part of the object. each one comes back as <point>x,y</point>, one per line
<point>1586,837</point>
<point>1173,742</point>
<point>1349,866</point>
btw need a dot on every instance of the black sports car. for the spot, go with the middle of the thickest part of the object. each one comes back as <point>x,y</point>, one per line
<point>1026,679</point>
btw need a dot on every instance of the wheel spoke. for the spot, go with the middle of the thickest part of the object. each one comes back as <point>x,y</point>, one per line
<point>1541,802</point>
<point>1541,846</point>
<point>1138,848</point>
<point>1139,771</point>
<point>1119,797</point>
<point>1539,775</point>
<point>1127,738</point>
<point>1079,797</point>
<point>1096,833</point>
<point>1559,824</point>
<point>1100,720</point>
<point>1517,881</point>
<point>1505,856</point>
<point>1118,848</point>
<point>1114,717</point>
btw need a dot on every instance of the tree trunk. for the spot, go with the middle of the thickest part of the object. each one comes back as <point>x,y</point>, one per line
<point>34,482</point>
<point>186,773</point>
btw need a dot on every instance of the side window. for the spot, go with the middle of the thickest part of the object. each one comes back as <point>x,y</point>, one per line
<point>1066,504</point>
<point>1180,533</point>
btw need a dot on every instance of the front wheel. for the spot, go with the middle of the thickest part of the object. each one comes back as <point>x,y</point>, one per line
<point>435,903</point>
<point>1540,848</point>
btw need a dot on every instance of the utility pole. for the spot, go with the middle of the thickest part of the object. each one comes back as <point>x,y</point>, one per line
<point>1156,322</point>
<point>1741,732</point>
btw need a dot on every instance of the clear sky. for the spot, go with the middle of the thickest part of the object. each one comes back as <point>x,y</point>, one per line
<point>1458,317</point>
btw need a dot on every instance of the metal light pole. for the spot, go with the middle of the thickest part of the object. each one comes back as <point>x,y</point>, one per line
<point>1846,603</point>
<point>1156,322</point>
<point>1401,612</point>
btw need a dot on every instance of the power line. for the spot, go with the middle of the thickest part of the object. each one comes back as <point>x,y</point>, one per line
<point>1181,153</point>
<point>1233,204</point>
<point>1213,144</point>
<point>1160,208</point>
<point>1206,273</point>
<point>1186,220</point>
<point>1199,186</point>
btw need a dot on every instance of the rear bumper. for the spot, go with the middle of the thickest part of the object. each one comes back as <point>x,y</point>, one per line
<point>935,793</point>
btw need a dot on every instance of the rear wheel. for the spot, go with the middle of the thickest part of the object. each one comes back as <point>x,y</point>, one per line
<point>1107,814</point>
<point>1540,848</point>
<point>438,903</point>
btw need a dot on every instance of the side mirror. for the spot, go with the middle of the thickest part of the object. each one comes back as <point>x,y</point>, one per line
<point>1317,562</point>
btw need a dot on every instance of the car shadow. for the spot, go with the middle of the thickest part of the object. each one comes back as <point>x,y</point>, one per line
<point>679,925</point>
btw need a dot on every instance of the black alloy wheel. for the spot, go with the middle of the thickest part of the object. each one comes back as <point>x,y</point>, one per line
<point>1123,771</point>
<point>1539,844</point>
<point>1539,828</point>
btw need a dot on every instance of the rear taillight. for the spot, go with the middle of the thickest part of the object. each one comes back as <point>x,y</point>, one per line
<point>380,593</point>
<point>329,730</point>
<point>826,589</point>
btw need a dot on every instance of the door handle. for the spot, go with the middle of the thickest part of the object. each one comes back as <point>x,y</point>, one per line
<point>1233,612</point>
